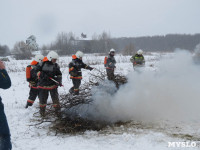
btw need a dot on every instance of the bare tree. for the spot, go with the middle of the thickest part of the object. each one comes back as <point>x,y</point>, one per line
<point>129,50</point>
<point>65,43</point>
<point>45,50</point>
<point>22,51</point>
<point>4,50</point>
<point>102,43</point>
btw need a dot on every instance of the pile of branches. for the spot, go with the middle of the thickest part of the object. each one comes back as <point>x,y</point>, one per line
<point>84,97</point>
<point>73,125</point>
<point>65,123</point>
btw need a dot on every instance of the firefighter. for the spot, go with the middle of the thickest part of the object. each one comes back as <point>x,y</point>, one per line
<point>138,58</point>
<point>75,71</point>
<point>31,75</point>
<point>110,63</point>
<point>50,77</point>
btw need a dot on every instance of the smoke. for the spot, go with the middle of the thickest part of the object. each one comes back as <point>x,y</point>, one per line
<point>197,49</point>
<point>170,93</point>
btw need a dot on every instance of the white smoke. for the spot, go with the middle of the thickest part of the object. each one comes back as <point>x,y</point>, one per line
<point>197,49</point>
<point>170,93</point>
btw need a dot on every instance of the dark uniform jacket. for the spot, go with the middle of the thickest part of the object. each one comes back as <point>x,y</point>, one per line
<point>5,82</point>
<point>46,71</point>
<point>75,68</point>
<point>5,143</point>
<point>111,62</point>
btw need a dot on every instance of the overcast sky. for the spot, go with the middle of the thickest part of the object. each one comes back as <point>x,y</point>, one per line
<point>122,18</point>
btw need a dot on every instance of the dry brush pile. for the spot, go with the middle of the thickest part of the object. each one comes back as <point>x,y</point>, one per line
<point>72,124</point>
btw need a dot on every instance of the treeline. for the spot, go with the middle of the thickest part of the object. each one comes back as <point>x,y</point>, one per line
<point>68,43</point>
<point>168,42</point>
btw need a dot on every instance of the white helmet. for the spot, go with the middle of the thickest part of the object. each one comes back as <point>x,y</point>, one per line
<point>52,55</point>
<point>140,52</point>
<point>39,58</point>
<point>112,50</point>
<point>79,54</point>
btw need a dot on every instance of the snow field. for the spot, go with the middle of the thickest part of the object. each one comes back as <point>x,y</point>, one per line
<point>27,137</point>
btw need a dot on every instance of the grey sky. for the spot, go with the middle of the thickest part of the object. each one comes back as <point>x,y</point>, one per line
<point>131,18</point>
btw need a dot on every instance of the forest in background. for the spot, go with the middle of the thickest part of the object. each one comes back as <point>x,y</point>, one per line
<point>67,43</point>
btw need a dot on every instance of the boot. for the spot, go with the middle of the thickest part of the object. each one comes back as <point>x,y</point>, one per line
<point>76,92</point>
<point>28,104</point>
<point>71,90</point>
<point>42,111</point>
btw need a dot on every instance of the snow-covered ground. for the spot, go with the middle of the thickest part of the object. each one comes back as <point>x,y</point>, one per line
<point>135,135</point>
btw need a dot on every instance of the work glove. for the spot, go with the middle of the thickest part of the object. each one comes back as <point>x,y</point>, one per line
<point>59,84</point>
<point>91,69</point>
